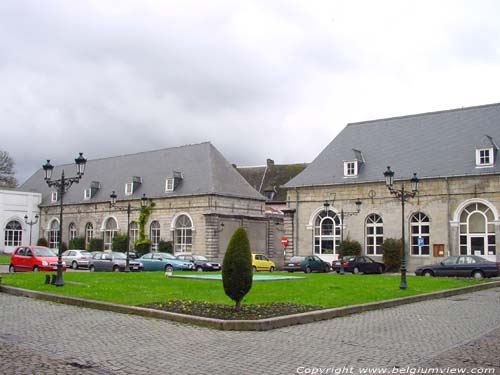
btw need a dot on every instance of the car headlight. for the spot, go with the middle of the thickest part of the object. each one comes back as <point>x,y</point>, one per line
<point>63,263</point>
<point>45,263</point>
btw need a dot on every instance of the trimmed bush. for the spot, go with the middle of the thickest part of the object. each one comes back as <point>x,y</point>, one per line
<point>391,249</point>
<point>96,244</point>
<point>64,246</point>
<point>42,242</point>
<point>349,247</point>
<point>120,243</point>
<point>77,243</point>
<point>142,247</point>
<point>237,267</point>
<point>166,247</point>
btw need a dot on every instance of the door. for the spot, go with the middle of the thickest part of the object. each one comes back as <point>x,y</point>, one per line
<point>477,245</point>
<point>448,267</point>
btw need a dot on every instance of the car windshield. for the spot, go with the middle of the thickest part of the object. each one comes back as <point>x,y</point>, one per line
<point>167,256</point>
<point>297,259</point>
<point>119,256</point>
<point>43,252</point>
<point>199,257</point>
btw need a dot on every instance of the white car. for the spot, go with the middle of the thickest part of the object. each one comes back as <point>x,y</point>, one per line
<point>77,258</point>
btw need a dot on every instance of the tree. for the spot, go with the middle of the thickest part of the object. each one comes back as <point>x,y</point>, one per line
<point>77,243</point>
<point>349,247</point>
<point>120,243</point>
<point>391,250</point>
<point>237,267</point>
<point>7,178</point>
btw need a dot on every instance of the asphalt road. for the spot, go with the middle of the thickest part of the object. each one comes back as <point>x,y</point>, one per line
<point>38,337</point>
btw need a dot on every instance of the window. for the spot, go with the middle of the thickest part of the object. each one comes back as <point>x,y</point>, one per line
<point>326,233</point>
<point>54,197</point>
<point>129,188</point>
<point>13,233</point>
<point>134,232</point>
<point>374,234</point>
<point>89,233</point>
<point>420,229</point>
<point>54,234</point>
<point>111,228</point>
<point>87,194</point>
<point>169,184</point>
<point>477,231</point>
<point>350,168</point>
<point>183,235</point>
<point>72,231</point>
<point>484,157</point>
<point>154,235</point>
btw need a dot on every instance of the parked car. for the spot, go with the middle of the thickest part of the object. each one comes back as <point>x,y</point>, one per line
<point>33,258</point>
<point>112,261</point>
<point>164,262</point>
<point>262,263</point>
<point>200,262</point>
<point>462,266</point>
<point>357,264</point>
<point>77,258</point>
<point>307,264</point>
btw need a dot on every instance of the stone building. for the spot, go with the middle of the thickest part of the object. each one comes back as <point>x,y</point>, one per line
<point>456,209</point>
<point>199,200</point>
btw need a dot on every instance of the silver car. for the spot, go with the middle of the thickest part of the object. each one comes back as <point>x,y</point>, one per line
<point>77,258</point>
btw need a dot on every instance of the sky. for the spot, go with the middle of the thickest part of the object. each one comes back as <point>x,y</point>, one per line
<point>259,79</point>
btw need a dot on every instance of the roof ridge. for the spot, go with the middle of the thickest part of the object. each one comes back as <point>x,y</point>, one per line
<point>423,114</point>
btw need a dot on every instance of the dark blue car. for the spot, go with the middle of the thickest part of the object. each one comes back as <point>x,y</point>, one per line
<point>307,264</point>
<point>461,266</point>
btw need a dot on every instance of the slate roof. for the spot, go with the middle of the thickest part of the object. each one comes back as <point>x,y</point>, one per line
<point>271,177</point>
<point>431,144</point>
<point>203,168</point>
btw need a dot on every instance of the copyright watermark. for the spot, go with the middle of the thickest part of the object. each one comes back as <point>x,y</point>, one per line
<point>344,370</point>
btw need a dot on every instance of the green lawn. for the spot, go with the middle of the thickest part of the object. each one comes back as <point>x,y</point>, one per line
<point>328,290</point>
<point>4,259</point>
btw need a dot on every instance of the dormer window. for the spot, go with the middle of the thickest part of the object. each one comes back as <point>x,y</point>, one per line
<point>484,157</point>
<point>54,197</point>
<point>350,168</point>
<point>129,188</point>
<point>169,184</point>
<point>87,194</point>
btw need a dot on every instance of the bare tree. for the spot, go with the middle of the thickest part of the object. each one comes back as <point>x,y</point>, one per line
<point>7,178</point>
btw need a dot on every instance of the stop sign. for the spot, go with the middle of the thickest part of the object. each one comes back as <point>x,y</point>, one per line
<point>284,241</point>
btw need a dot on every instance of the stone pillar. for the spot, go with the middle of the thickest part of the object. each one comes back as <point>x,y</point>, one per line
<point>497,240</point>
<point>212,230</point>
<point>289,232</point>
<point>454,245</point>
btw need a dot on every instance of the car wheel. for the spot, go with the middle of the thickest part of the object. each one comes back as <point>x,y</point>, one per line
<point>380,270</point>
<point>74,265</point>
<point>428,273</point>
<point>199,269</point>
<point>478,275</point>
<point>116,269</point>
<point>271,269</point>
<point>254,269</point>
<point>35,269</point>
<point>12,269</point>
<point>355,270</point>
<point>92,269</point>
<point>308,270</point>
<point>169,268</point>
<point>327,269</point>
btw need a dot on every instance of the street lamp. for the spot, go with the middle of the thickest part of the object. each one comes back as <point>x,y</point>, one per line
<point>62,185</point>
<point>403,195</point>
<point>347,214</point>
<point>112,203</point>
<point>30,223</point>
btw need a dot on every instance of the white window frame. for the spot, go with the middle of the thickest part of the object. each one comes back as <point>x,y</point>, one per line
<point>417,221</point>
<point>169,185</point>
<point>374,221</point>
<point>154,235</point>
<point>351,168</point>
<point>129,188</point>
<point>480,158</point>
<point>54,197</point>
<point>72,231</point>
<point>13,233</point>
<point>87,194</point>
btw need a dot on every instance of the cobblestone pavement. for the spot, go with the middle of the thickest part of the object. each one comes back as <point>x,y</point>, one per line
<point>432,333</point>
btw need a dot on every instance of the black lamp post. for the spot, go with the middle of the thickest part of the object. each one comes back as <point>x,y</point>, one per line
<point>30,223</point>
<point>403,195</point>
<point>144,203</point>
<point>63,185</point>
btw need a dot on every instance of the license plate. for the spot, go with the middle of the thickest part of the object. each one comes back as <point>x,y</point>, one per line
<point>135,267</point>
<point>291,264</point>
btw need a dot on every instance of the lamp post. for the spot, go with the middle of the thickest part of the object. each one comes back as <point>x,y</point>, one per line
<point>63,185</point>
<point>112,203</point>
<point>403,195</point>
<point>30,223</point>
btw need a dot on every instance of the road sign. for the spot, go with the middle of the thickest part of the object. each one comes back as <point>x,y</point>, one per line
<point>284,241</point>
<point>420,241</point>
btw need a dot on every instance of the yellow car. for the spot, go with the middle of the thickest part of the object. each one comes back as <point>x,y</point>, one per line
<point>262,263</point>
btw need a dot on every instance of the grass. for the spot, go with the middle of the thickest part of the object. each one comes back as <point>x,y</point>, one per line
<point>4,259</point>
<point>325,290</point>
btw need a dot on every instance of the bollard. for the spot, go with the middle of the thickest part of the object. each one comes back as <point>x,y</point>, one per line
<point>47,279</point>
<point>53,282</point>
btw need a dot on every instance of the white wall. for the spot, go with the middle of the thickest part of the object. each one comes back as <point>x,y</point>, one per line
<point>14,205</point>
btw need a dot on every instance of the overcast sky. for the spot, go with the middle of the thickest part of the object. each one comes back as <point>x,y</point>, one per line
<point>259,79</point>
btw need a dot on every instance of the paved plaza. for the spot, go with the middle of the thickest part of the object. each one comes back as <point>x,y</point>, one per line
<point>38,337</point>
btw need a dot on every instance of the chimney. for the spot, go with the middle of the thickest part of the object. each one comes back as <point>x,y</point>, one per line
<point>270,162</point>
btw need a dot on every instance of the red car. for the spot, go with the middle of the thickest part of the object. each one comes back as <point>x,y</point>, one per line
<point>33,258</point>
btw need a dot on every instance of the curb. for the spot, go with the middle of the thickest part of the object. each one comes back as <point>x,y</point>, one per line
<point>246,325</point>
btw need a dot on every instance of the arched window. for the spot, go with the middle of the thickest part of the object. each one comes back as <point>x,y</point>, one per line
<point>154,235</point>
<point>326,233</point>
<point>54,234</point>
<point>13,233</point>
<point>110,230</point>
<point>89,233</point>
<point>477,230</point>
<point>420,228</point>
<point>72,231</point>
<point>183,234</point>
<point>134,232</point>
<point>374,234</point>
